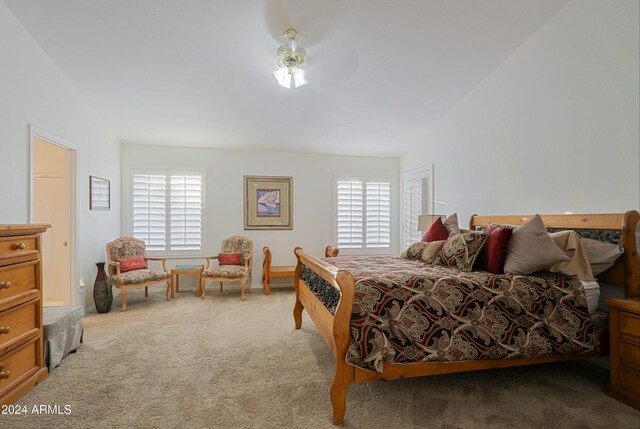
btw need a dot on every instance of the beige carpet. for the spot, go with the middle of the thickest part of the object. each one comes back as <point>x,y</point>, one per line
<point>224,363</point>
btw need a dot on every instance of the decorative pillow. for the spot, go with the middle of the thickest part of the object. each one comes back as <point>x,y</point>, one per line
<point>461,250</point>
<point>452,225</point>
<point>493,253</point>
<point>601,255</point>
<point>230,258</point>
<point>531,249</point>
<point>430,252</point>
<point>414,251</point>
<point>130,264</point>
<point>578,265</point>
<point>436,232</point>
<point>425,252</point>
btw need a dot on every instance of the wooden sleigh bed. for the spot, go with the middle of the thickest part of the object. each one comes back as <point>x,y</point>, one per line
<point>335,326</point>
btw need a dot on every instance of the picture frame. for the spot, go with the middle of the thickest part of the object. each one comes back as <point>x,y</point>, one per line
<point>99,193</point>
<point>268,202</point>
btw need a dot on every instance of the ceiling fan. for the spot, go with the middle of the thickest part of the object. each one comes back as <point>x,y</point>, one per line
<point>309,51</point>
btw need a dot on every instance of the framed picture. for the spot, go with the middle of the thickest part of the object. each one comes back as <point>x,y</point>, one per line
<point>99,193</point>
<point>267,202</point>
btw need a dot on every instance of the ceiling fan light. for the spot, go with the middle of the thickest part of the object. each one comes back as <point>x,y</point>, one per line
<point>290,77</point>
<point>283,76</point>
<point>290,57</point>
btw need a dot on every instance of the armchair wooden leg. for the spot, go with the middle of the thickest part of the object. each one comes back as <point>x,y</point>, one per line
<point>168,292</point>
<point>146,292</point>
<point>242,293</point>
<point>203,290</point>
<point>220,287</point>
<point>123,291</point>
<point>266,285</point>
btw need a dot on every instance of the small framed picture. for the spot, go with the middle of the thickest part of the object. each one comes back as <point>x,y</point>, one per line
<point>267,202</point>
<point>99,193</point>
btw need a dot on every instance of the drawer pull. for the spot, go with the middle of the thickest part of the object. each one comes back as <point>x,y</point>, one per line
<point>5,329</point>
<point>19,246</point>
<point>4,375</point>
<point>5,285</point>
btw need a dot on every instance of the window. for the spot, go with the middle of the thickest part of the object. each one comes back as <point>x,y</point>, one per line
<point>167,210</point>
<point>363,211</point>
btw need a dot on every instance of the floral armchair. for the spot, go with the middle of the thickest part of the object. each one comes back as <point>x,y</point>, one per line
<point>126,248</point>
<point>226,273</point>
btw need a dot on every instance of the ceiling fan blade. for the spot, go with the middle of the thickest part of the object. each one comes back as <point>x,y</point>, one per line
<point>331,63</point>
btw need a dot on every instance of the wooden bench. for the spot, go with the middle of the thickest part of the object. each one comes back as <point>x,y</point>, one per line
<point>283,271</point>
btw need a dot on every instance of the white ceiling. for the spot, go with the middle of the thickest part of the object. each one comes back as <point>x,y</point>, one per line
<point>199,72</point>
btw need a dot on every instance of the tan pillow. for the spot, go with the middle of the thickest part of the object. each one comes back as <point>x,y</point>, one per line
<point>425,252</point>
<point>452,225</point>
<point>531,249</point>
<point>601,255</point>
<point>578,266</point>
<point>431,251</point>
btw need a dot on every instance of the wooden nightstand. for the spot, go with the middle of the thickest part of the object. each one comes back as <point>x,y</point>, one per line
<point>624,327</point>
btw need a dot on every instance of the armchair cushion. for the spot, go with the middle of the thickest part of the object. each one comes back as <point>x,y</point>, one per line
<point>130,264</point>
<point>126,249</point>
<point>226,271</point>
<point>230,258</point>
<point>140,276</point>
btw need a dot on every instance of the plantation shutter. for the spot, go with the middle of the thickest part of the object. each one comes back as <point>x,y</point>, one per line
<point>186,212</point>
<point>149,210</point>
<point>350,213</point>
<point>378,225</point>
<point>412,208</point>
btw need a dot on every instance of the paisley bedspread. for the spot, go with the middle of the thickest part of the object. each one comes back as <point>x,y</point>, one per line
<point>406,311</point>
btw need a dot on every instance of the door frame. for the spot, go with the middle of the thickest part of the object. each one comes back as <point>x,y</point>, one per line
<point>34,132</point>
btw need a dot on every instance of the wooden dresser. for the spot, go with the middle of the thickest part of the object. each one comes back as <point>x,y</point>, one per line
<point>624,327</point>
<point>21,356</point>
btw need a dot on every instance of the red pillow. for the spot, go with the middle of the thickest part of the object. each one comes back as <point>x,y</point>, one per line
<point>130,264</point>
<point>495,250</point>
<point>230,258</point>
<point>436,232</point>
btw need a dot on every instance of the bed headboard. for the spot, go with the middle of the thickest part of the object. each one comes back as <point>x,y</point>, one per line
<point>625,272</point>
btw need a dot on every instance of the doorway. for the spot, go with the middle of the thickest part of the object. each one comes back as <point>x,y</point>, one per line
<point>53,202</point>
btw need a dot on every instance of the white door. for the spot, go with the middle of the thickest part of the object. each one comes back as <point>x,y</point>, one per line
<point>417,199</point>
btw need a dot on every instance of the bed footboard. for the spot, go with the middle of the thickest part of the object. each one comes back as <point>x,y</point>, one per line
<point>333,327</point>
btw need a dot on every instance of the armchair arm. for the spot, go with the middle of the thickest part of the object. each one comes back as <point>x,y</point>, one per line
<point>117,265</point>
<point>209,258</point>
<point>164,262</point>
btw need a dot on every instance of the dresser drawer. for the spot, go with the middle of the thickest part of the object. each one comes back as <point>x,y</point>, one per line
<point>17,322</point>
<point>630,381</point>
<point>630,353</point>
<point>17,363</point>
<point>18,278</point>
<point>629,324</point>
<point>16,246</point>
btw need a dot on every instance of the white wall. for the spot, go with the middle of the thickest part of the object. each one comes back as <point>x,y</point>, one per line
<point>554,128</point>
<point>34,91</point>
<point>312,194</point>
